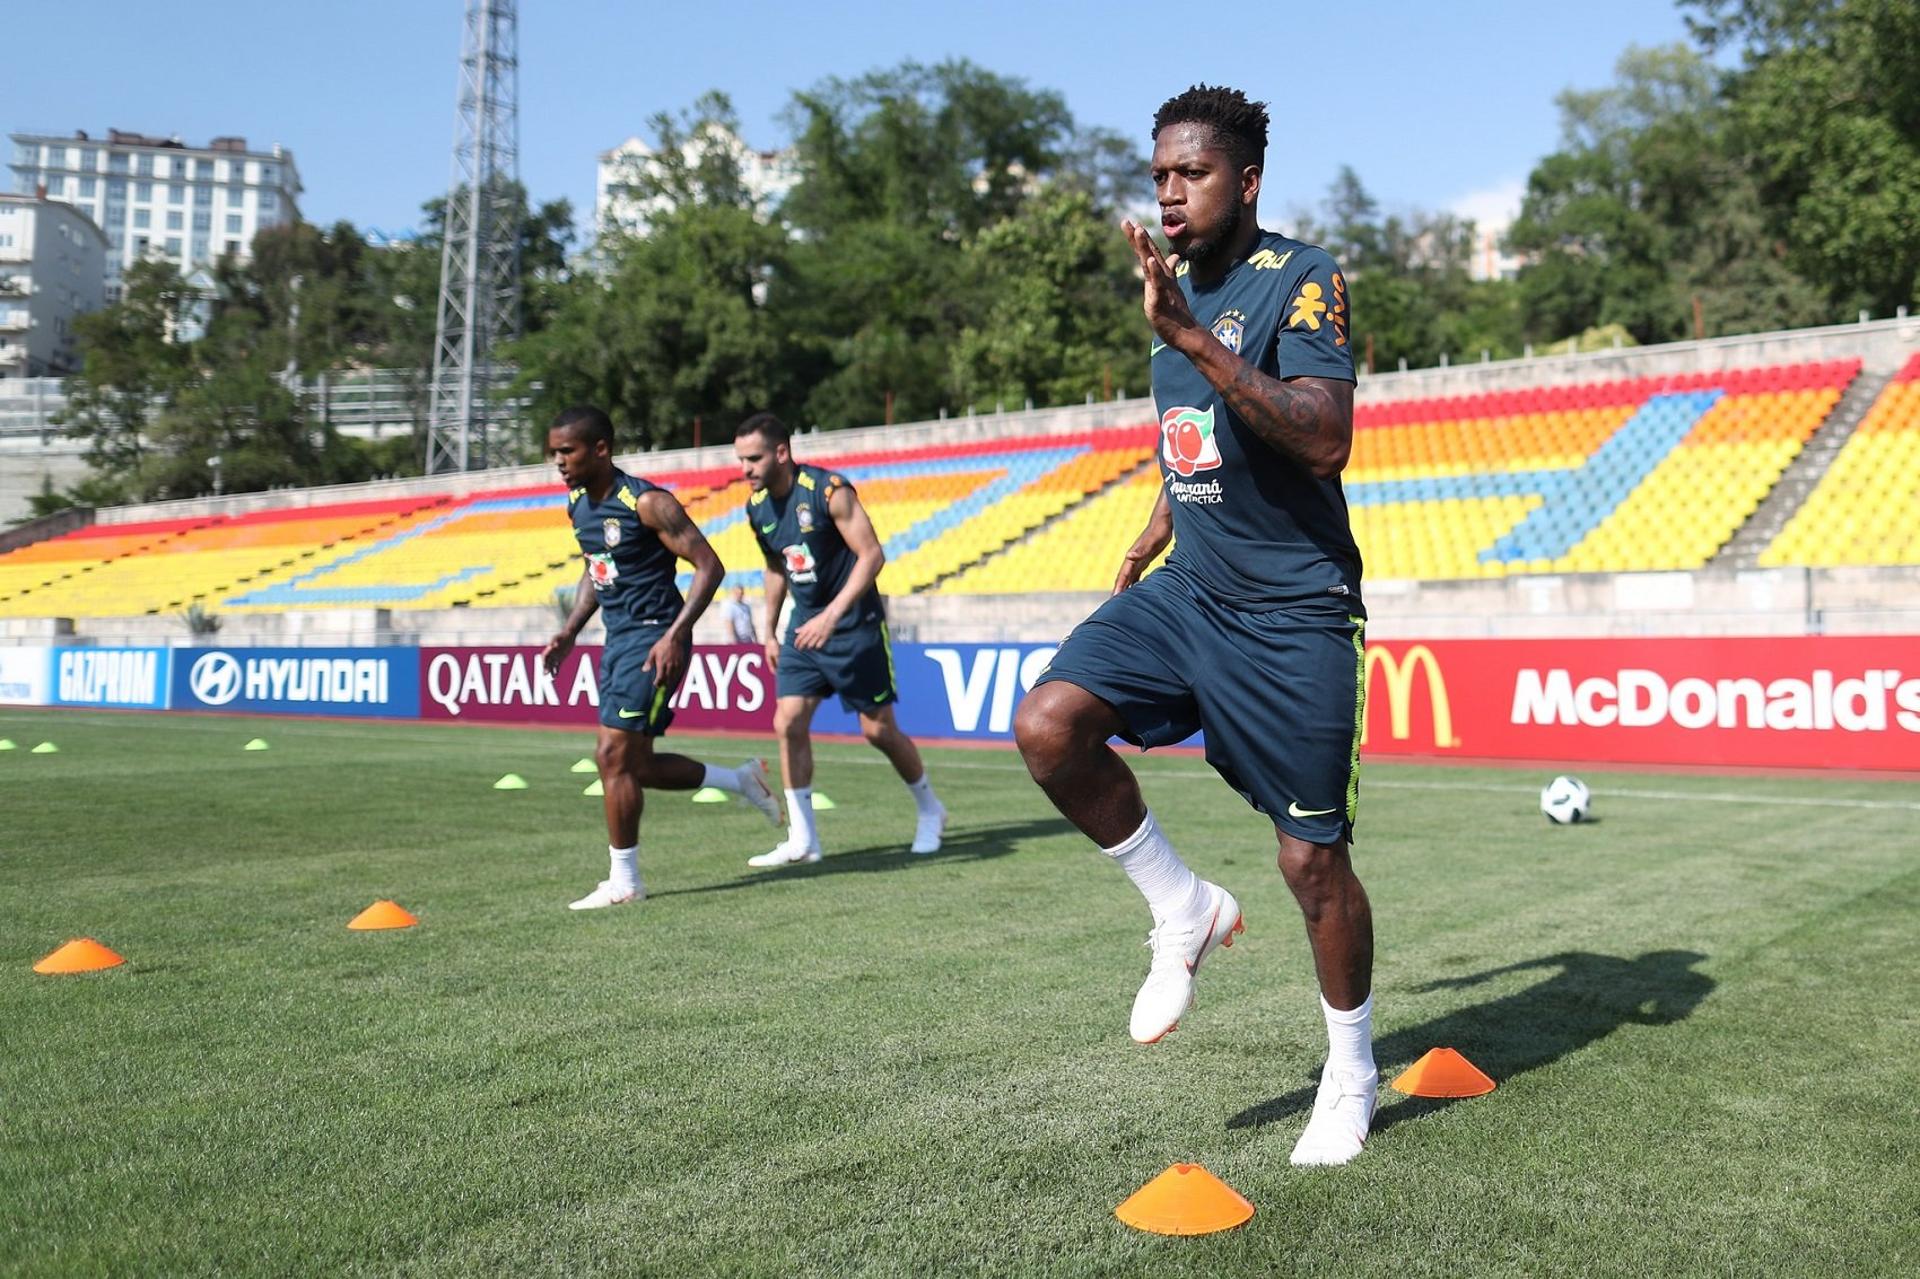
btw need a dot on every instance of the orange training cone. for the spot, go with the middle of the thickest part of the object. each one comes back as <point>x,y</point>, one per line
<point>1444,1073</point>
<point>1186,1199</point>
<point>81,955</point>
<point>382,914</point>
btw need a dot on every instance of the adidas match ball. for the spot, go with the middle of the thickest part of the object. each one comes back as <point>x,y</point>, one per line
<point>1566,800</point>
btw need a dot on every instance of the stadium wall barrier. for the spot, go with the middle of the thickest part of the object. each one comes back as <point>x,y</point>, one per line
<point>1802,702</point>
<point>25,676</point>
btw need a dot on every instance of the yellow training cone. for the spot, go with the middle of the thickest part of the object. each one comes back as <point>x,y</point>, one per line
<point>710,795</point>
<point>512,781</point>
<point>7,744</point>
<point>382,914</point>
<point>585,766</point>
<point>1186,1199</point>
<point>1443,1073</point>
<point>257,744</point>
<point>594,788</point>
<point>81,955</point>
<point>821,803</point>
<point>45,748</point>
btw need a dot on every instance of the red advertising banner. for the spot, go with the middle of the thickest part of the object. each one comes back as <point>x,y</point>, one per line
<point>726,687</point>
<point>1801,702</point>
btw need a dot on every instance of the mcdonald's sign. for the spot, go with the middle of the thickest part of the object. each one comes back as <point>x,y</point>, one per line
<point>1398,677</point>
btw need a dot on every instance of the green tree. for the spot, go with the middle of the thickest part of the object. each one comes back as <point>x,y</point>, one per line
<point>1056,315</point>
<point>1826,106</point>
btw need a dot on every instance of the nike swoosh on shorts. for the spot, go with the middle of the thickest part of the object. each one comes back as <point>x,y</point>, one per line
<point>636,715</point>
<point>1294,810</point>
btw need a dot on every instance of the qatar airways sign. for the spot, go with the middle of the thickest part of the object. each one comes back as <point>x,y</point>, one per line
<point>726,687</point>
<point>1801,702</point>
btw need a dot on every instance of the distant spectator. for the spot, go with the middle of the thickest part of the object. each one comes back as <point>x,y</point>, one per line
<point>739,617</point>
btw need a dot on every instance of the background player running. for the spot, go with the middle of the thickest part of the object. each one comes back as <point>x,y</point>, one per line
<point>1253,629</point>
<point>819,543</point>
<point>631,533</point>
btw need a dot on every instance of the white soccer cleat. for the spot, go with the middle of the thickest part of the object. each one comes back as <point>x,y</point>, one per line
<point>1178,947</point>
<point>786,853</point>
<point>755,790</point>
<point>606,895</point>
<point>1342,1113</point>
<point>927,831</point>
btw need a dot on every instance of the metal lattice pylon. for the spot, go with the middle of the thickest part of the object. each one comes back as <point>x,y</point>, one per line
<point>469,427</point>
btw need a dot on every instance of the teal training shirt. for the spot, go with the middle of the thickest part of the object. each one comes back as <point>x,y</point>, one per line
<point>1255,529</point>
<point>631,569</point>
<point>798,531</point>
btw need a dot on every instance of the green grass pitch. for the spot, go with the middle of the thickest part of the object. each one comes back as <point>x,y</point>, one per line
<point>1701,1011</point>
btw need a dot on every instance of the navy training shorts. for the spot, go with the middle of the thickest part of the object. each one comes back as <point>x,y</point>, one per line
<point>856,663</point>
<point>1279,694</point>
<point>629,699</point>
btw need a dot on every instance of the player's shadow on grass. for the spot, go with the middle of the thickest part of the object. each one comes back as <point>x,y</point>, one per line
<point>966,843</point>
<point>1587,998</point>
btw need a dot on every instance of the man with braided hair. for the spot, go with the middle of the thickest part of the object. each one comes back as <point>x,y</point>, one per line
<point>1253,630</point>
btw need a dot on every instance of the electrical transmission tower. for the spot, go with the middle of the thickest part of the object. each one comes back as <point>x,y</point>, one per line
<point>469,427</point>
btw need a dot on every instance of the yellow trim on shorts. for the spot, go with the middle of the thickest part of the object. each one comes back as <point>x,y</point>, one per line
<point>1359,715</point>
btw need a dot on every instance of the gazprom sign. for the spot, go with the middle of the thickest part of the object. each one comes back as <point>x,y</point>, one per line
<point>134,678</point>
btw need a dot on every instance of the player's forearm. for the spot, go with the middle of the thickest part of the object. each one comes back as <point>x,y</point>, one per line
<point>1159,529</point>
<point>866,571</point>
<point>586,602</point>
<point>775,588</point>
<point>1302,422</point>
<point>706,580</point>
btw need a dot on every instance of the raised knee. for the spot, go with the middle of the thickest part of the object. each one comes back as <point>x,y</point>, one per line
<point>610,756</point>
<point>1043,729</point>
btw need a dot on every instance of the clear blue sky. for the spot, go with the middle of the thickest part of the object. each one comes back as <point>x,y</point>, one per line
<point>1435,105</point>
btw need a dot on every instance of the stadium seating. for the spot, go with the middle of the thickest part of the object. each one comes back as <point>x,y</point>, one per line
<point>1638,474</point>
<point>1866,508</point>
<point>1632,474</point>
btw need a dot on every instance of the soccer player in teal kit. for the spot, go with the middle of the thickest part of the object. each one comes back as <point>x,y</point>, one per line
<point>820,546</point>
<point>632,534</point>
<point>1253,630</point>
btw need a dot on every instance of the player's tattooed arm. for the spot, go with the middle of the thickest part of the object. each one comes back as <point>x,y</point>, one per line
<point>661,511</point>
<point>1310,419</point>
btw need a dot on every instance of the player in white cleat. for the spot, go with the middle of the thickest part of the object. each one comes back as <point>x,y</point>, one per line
<point>786,853</point>
<point>927,830</point>
<point>1342,1113</point>
<point>757,792</point>
<point>1178,948</point>
<point>606,894</point>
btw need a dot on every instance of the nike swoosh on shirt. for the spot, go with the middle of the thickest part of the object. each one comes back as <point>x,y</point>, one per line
<point>1157,348</point>
<point>1294,810</point>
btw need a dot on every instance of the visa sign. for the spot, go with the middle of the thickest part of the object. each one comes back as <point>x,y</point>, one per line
<point>980,685</point>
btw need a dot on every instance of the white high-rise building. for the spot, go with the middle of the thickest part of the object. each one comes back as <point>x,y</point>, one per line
<point>52,270</point>
<point>158,197</point>
<point>767,176</point>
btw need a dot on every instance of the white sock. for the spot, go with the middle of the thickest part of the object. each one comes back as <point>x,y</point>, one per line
<point>623,868</point>
<point>923,797</point>
<point>800,827</point>
<point>1349,1037</point>
<point>726,779</point>
<point>1172,891</point>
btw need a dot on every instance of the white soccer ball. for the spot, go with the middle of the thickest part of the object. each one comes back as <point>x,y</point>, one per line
<point>1566,800</point>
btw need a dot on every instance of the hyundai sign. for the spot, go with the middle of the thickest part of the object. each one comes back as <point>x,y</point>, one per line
<point>301,681</point>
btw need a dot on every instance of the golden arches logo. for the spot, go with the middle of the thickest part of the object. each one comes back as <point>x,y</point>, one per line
<point>1399,672</point>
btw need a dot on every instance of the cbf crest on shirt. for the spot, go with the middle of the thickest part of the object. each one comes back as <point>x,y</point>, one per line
<point>1259,529</point>
<point>798,531</point>
<point>632,571</point>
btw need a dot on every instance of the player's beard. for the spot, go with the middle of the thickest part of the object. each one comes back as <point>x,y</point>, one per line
<point>1200,250</point>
